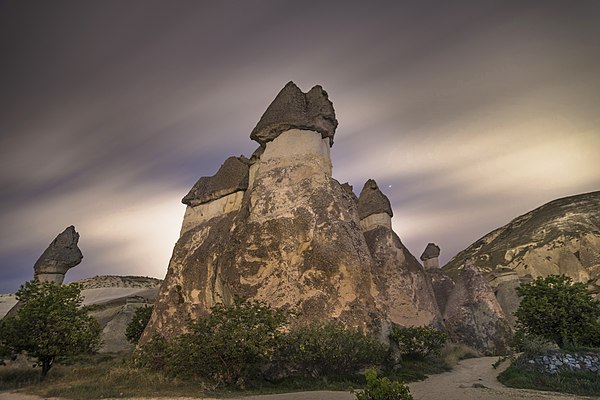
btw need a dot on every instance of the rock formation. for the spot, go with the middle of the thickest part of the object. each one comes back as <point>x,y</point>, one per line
<point>473,315</point>
<point>560,237</point>
<point>292,235</point>
<point>293,109</point>
<point>60,256</point>
<point>404,291</point>
<point>115,299</point>
<point>430,256</point>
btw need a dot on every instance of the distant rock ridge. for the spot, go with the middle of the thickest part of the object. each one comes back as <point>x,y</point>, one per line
<point>560,237</point>
<point>294,237</point>
<point>118,281</point>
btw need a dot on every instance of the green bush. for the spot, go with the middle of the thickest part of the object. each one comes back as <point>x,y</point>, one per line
<point>329,350</point>
<point>417,342</point>
<point>138,323</point>
<point>229,346</point>
<point>382,389</point>
<point>50,324</point>
<point>558,310</point>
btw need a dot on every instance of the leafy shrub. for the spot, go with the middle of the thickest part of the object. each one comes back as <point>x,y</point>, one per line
<point>532,344</point>
<point>382,389</point>
<point>418,342</point>
<point>229,346</point>
<point>50,323</point>
<point>558,310</point>
<point>329,349</point>
<point>138,323</point>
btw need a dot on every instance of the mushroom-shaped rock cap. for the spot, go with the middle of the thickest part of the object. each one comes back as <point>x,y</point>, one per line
<point>61,255</point>
<point>230,178</point>
<point>373,201</point>
<point>293,109</point>
<point>431,251</point>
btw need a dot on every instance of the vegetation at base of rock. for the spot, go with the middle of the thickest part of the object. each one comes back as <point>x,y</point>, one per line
<point>138,323</point>
<point>381,388</point>
<point>249,341</point>
<point>555,308</point>
<point>329,349</point>
<point>50,323</point>
<point>580,383</point>
<point>417,342</point>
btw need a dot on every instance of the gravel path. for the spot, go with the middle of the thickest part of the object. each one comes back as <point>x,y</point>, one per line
<point>472,379</point>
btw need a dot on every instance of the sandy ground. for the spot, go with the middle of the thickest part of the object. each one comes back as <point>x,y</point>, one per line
<point>472,379</point>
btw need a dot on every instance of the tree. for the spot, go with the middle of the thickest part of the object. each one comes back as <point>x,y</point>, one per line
<point>417,342</point>
<point>559,310</point>
<point>231,345</point>
<point>138,323</point>
<point>50,323</point>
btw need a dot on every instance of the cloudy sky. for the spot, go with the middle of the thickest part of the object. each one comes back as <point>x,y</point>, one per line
<point>466,113</point>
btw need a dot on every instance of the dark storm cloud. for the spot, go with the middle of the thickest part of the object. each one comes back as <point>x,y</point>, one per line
<point>466,113</point>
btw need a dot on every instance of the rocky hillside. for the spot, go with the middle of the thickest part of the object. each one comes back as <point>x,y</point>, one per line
<point>560,237</point>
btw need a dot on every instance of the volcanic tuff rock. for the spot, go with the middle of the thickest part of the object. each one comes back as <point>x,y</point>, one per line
<point>293,109</point>
<point>404,290</point>
<point>473,315</point>
<point>60,256</point>
<point>293,238</point>
<point>560,237</point>
<point>430,256</point>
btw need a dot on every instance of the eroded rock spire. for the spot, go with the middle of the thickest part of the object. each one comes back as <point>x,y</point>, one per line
<point>60,256</point>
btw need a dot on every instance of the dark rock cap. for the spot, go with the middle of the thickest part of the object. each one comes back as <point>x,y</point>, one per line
<point>293,109</point>
<point>373,201</point>
<point>431,251</point>
<point>61,255</point>
<point>230,178</point>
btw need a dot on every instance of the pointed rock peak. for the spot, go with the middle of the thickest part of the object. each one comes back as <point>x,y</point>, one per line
<point>373,201</point>
<point>431,251</point>
<point>293,109</point>
<point>61,255</point>
<point>230,178</point>
<point>349,191</point>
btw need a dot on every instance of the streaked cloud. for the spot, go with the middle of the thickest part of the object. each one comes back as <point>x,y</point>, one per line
<point>467,114</point>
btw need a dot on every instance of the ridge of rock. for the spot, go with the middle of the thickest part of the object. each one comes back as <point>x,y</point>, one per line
<point>372,201</point>
<point>231,177</point>
<point>293,109</point>
<point>560,237</point>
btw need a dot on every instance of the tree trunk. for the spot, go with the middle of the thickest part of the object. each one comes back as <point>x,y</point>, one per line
<point>46,365</point>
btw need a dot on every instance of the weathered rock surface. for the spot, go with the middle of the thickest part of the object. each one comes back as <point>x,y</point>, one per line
<point>404,291</point>
<point>295,241</point>
<point>60,256</point>
<point>294,237</point>
<point>293,109</point>
<point>473,315</point>
<point>442,286</point>
<point>560,237</point>
<point>430,256</point>
<point>115,299</point>
<point>230,178</point>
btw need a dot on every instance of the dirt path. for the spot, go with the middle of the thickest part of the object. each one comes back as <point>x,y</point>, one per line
<point>472,379</point>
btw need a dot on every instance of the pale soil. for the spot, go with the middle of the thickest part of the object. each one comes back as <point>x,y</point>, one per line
<point>472,379</point>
